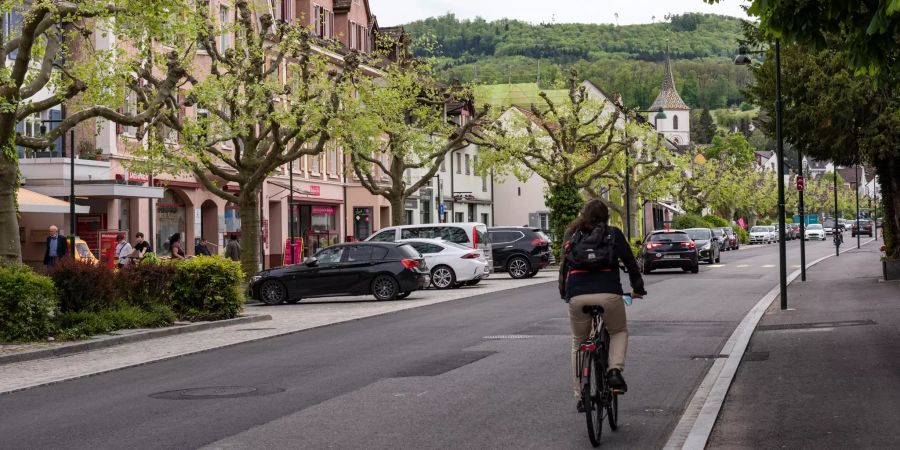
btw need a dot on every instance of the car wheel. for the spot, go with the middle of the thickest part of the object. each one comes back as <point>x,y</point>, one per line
<point>473,282</point>
<point>518,267</point>
<point>443,277</point>
<point>695,269</point>
<point>385,287</point>
<point>403,295</point>
<point>273,292</point>
<point>293,301</point>
<point>532,273</point>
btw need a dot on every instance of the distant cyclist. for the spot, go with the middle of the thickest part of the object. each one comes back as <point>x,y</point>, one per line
<point>589,275</point>
<point>838,237</point>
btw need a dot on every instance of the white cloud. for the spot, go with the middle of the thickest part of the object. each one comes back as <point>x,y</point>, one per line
<point>396,12</point>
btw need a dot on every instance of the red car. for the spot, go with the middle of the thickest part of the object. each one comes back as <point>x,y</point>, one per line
<point>866,228</point>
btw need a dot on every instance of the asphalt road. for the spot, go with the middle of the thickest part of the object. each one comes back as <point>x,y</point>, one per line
<point>483,372</point>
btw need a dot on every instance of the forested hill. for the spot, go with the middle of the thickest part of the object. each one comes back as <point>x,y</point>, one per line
<point>623,59</point>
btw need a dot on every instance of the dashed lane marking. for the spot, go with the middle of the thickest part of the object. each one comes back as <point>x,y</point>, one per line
<point>716,266</point>
<point>768,266</point>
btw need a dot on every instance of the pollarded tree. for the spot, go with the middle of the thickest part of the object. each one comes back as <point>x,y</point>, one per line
<point>404,121</point>
<point>49,60</point>
<point>256,122</point>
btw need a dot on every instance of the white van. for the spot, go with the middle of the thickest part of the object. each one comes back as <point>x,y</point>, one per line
<point>469,234</point>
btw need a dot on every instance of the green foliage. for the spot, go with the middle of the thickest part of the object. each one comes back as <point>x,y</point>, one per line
<point>704,129</point>
<point>207,288</point>
<point>635,245</point>
<point>83,324</point>
<point>716,221</point>
<point>565,203</point>
<point>83,286</point>
<point>742,234</point>
<point>27,304</point>
<point>146,283</point>
<point>689,220</point>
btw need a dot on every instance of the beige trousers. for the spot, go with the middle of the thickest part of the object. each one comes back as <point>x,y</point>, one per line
<point>613,316</point>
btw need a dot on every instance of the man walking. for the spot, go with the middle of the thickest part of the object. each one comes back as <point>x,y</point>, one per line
<point>233,249</point>
<point>202,248</point>
<point>56,247</point>
<point>123,251</point>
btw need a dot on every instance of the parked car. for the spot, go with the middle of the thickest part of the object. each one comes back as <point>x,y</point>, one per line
<point>829,225</point>
<point>707,244</point>
<point>82,253</point>
<point>760,235</point>
<point>470,234</point>
<point>815,231</point>
<point>520,251</point>
<point>789,234</point>
<point>865,228</point>
<point>386,270</point>
<point>795,229</point>
<point>452,265</point>
<point>669,249</point>
<point>719,233</point>
<point>845,224</point>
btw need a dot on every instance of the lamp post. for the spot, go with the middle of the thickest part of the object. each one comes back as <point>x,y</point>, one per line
<point>802,213</point>
<point>856,187</point>
<point>291,207</point>
<point>743,59</point>
<point>837,248</point>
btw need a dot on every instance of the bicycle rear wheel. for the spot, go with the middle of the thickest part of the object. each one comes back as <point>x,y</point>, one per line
<point>612,412</point>
<point>592,396</point>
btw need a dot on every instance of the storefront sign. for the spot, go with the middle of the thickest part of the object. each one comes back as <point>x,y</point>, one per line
<point>297,251</point>
<point>315,190</point>
<point>107,251</point>
<point>412,203</point>
<point>138,178</point>
<point>323,210</point>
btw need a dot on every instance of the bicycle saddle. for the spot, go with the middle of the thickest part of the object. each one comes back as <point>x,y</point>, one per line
<point>594,310</point>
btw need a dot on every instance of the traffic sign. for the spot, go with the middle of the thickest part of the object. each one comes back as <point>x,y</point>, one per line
<point>441,209</point>
<point>800,183</point>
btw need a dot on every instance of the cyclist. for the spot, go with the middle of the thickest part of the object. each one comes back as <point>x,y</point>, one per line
<point>838,237</point>
<point>599,287</point>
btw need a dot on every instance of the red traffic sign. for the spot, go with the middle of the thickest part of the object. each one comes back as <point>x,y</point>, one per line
<point>800,183</point>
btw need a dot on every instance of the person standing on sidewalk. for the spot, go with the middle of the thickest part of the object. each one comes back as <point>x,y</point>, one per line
<point>56,247</point>
<point>233,249</point>
<point>202,248</point>
<point>123,251</point>
<point>141,246</point>
<point>598,286</point>
<point>175,249</point>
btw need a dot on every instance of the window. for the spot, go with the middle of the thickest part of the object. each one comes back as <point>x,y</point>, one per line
<point>520,191</point>
<point>459,217</point>
<point>444,164</point>
<point>323,22</point>
<point>202,121</point>
<point>409,216</point>
<point>330,255</point>
<point>332,162</point>
<point>282,11</point>
<point>485,218</point>
<point>384,236</point>
<point>674,121</point>
<point>130,109</point>
<point>468,165</point>
<point>223,28</point>
<point>408,176</point>
<point>458,163</point>
<point>413,233</point>
<point>314,162</point>
<point>351,30</point>
<point>359,253</point>
<point>544,220</point>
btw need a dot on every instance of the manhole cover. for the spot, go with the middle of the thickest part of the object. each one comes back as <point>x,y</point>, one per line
<point>205,393</point>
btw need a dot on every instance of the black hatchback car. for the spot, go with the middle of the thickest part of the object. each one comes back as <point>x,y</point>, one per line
<point>520,251</point>
<point>386,270</point>
<point>670,249</point>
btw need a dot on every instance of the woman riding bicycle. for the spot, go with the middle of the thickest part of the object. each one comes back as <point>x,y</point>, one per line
<point>599,287</point>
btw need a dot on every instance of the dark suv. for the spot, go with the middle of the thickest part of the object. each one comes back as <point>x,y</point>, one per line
<point>521,251</point>
<point>670,249</point>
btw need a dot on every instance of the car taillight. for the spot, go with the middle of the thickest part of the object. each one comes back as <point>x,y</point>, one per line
<point>474,237</point>
<point>651,246</point>
<point>470,256</point>
<point>410,263</point>
<point>691,244</point>
<point>539,242</point>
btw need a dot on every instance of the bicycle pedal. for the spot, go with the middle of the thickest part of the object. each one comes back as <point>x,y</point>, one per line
<point>617,391</point>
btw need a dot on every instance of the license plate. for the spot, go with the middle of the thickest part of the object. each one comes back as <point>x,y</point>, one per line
<point>672,257</point>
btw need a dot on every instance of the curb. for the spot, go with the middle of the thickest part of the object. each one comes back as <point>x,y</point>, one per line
<point>111,341</point>
<point>699,417</point>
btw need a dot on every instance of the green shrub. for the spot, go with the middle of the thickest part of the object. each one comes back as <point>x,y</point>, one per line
<point>82,324</point>
<point>83,286</point>
<point>28,304</point>
<point>716,221</point>
<point>635,245</point>
<point>207,288</point>
<point>146,283</point>
<point>743,236</point>
<point>685,221</point>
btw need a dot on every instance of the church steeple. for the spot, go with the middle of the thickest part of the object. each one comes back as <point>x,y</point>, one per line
<point>668,98</point>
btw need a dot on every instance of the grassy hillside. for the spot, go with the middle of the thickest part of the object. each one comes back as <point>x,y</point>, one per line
<point>523,94</point>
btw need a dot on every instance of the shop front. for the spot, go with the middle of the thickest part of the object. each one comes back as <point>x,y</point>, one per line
<point>171,218</point>
<point>317,225</point>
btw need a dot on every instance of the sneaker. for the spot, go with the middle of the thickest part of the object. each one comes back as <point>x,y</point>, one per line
<point>580,406</point>
<point>616,382</point>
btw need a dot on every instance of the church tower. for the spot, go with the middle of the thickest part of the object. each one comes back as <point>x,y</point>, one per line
<point>676,125</point>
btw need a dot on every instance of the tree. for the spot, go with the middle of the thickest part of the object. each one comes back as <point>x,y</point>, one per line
<point>569,144</point>
<point>255,123</point>
<point>714,178</point>
<point>399,124</point>
<point>705,128</point>
<point>49,49</point>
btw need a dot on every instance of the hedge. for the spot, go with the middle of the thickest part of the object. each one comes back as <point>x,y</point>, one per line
<point>83,286</point>
<point>716,221</point>
<point>146,283</point>
<point>207,288</point>
<point>28,304</point>
<point>685,221</point>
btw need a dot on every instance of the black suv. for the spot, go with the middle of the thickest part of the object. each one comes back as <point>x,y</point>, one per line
<point>521,251</point>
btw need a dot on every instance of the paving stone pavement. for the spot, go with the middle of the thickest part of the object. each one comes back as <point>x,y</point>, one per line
<point>286,319</point>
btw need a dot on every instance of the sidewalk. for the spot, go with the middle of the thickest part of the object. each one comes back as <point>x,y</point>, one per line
<point>286,319</point>
<point>826,374</point>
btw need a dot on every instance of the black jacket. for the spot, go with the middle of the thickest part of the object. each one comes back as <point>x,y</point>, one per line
<point>602,282</point>
<point>61,249</point>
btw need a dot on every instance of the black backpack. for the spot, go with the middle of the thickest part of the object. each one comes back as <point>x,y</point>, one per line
<point>591,251</point>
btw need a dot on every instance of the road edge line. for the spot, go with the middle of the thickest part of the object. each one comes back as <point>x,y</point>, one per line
<point>696,423</point>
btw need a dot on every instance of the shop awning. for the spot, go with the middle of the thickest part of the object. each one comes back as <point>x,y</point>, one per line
<point>32,202</point>
<point>108,190</point>
<point>671,208</point>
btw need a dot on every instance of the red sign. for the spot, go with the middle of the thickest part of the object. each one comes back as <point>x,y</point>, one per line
<point>107,253</point>
<point>800,183</point>
<point>298,251</point>
<point>323,210</point>
<point>265,230</point>
<point>138,178</point>
<point>315,190</point>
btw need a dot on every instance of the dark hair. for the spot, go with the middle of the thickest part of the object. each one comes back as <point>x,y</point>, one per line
<point>139,235</point>
<point>120,237</point>
<point>233,237</point>
<point>593,213</point>
<point>175,238</point>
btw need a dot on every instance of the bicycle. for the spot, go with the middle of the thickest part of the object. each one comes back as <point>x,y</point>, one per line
<point>600,402</point>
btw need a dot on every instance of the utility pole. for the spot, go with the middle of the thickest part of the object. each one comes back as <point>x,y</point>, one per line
<point>858,229</point>
<point>782,247</point>
<point>837,248</point>
<point>802,219</point>
<point>291,206</point>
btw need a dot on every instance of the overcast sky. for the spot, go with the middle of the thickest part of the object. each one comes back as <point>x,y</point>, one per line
<point>396,12</point>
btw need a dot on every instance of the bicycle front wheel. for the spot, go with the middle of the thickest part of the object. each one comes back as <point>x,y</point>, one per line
<point>592,396</point>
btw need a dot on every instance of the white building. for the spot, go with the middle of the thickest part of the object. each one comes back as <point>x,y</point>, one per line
<point>675,121</point>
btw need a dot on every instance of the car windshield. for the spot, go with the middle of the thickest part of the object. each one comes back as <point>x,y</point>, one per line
<point>814,226</point>
<point>669,237</point>
<point>718,232</point>
<point>759,230</point>
<point>828,223</point>
<point>698,234</point>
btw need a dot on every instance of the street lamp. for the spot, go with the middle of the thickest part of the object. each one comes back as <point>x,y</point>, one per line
<point>291,207</point>
<point>837,247</point>
<point>856,187</point>
<point>744,59</point>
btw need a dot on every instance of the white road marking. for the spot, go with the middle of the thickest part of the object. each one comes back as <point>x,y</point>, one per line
<point>716,265</point>
<point>796,266</point>
<point>769,265</point>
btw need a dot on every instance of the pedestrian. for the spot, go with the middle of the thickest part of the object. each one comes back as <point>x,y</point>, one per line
<point>233,249</point>
<point>175,249</point>
<point>56,247</point>
<point>202,248</point>
<point>123,251</point>
<point>141,246</point>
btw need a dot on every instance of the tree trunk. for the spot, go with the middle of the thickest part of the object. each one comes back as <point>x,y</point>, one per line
<point>398,210</point>
<point>250,229</point>
<point>635,217</point>
<point>889,178</point>
<point>752,217</point>
<point>10,248</point>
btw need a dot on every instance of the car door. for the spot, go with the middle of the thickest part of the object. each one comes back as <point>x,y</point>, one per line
<point>357,268</point>
<point>503,247</point>
<point>322,278</point>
